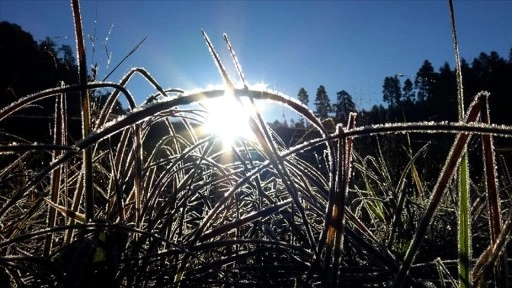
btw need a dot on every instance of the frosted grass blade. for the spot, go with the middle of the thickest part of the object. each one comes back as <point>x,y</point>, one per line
<point>493,200</point>
<point>464,225</point>
<point>491,256</point>
<point>447,173</point>
<point>86,112</point>
<point>59,139</point>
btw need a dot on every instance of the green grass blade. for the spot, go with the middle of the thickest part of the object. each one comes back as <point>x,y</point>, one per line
<point>464,224</point>
<point>402,194</point>
<point>447,173</point>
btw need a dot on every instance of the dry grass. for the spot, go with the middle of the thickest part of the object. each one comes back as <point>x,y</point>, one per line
<point>110,210</point>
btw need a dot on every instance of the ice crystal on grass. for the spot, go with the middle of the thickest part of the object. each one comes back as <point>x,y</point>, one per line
<point>319,209</point>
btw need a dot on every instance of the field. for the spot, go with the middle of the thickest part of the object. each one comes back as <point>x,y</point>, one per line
<point>148,199</point>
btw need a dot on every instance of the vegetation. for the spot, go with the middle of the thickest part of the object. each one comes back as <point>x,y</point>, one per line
<point>322,103</point>
<point>142,197</point>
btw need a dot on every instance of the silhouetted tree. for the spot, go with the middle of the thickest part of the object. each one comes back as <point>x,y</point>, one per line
<point>18,54</point>
<point>304,99</point>
<point>322,103</point>
<point>378,114</point>
<point>30,67</point>
<point>344,106</point>
<point>424,81</point>
<point>493,73</point>
<point>408,95</point>
<point>391,91</point>
<point>442,103</point>
<point>303,96</point>
<point>469,81</point>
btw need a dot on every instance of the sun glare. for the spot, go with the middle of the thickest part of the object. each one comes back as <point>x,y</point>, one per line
<point>228,120</point>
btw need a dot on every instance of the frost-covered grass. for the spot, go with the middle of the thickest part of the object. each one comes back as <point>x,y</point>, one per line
<point>181,211</point>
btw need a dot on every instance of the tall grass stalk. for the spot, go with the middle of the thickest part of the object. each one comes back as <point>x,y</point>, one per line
<point>464,213</point>
<point>488,262</point>
<point>86,113</point>
<point>59,138</point>
<point>493,200</point>
<point>343,171</point>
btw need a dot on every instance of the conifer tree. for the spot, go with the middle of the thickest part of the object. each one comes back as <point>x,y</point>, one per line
<point>391,91</point>
<point>304,99</point>
<point>408,94</point>
<point>303,96</point>
<point>344,106</point>
<point>322,103</point>
<point>424,81</point>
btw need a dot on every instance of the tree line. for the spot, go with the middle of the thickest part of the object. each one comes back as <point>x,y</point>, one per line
<point>429,95</point>
<point>338,111</point>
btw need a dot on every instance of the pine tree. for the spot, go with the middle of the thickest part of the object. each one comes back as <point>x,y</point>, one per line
<point>408,94</point>
<point>322,103</point>
<point>304,99</point>
<point>391,91</point>
<point>344,106</point>
<point>444,97</point>
<point>424,81</point>
<point>303,96</point>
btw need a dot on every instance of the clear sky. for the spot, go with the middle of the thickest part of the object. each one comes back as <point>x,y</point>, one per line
<point>350,45</point>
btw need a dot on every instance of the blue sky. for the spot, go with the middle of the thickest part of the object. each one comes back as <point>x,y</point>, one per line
<point>350,45</point>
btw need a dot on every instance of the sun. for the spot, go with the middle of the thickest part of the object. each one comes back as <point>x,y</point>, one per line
<point>228,119</point>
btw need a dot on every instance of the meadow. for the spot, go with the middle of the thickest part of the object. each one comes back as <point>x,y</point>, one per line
<point>119,208</point>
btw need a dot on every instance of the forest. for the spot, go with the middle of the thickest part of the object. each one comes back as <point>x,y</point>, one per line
<point>415,192</point>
